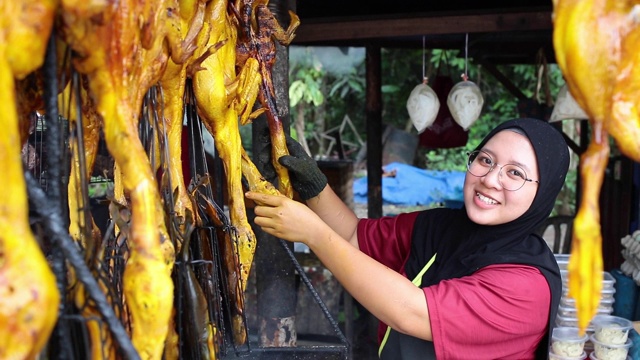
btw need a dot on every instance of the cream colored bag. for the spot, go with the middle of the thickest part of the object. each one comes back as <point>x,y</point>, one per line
<point>465,103</point>
<point>566,107</point>
<point>423,106</point>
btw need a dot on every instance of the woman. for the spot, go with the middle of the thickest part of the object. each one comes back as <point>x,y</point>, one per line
<point>471,283</point>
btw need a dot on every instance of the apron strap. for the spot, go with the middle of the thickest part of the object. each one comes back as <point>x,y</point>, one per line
<point>416,281</point>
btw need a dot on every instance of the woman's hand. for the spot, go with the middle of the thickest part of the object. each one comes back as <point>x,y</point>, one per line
<point>286,219</point>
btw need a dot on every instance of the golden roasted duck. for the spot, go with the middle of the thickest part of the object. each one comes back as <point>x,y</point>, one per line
<point>219,91</point>
<point>261,30</point>
<point>597,44</point>
<point>192,30</point>
<point>122,46</point>
<point>28,299</point>
<point>214,87</point>
<point>82,228</point>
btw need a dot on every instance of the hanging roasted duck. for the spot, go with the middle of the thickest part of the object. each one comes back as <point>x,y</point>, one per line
<point>260,30</point>
<point>218,91</point>
<point>122,46</point>
<point>227,240</point>
<point>193,29</point>
<point>215,87</point>
<point>85,128</point>
<point>597,44</point>
<point>28,299</point>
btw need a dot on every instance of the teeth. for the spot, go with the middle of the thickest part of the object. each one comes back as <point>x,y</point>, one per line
<point>486,200</point>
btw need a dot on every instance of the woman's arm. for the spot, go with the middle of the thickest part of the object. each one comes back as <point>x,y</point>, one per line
<point>389,296</point>
<point>335,213</point>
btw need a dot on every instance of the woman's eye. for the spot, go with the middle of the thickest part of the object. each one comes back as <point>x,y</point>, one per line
<point>485,160</point>
<point>516,173</point>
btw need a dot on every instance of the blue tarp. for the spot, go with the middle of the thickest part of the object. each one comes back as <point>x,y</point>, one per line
<point>413,186</point>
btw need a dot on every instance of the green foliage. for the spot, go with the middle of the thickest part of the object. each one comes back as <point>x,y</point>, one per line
<point>402,70</point>
<point>306,85</point>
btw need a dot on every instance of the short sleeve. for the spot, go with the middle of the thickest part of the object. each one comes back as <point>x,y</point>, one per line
<point>388,239</point>
<point>500,311</point>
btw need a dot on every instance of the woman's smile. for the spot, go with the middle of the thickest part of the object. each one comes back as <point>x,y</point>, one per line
<point>482,199</point>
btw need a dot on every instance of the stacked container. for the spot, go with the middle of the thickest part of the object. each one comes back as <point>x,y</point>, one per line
<point>567,314</point>
<point>610,337</point>
<point>567,344</point>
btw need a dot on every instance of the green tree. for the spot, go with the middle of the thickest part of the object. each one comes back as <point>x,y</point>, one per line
<point>402,70</point>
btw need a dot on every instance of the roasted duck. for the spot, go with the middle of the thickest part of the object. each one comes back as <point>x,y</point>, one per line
<point>260,31</point>
<point>215,89</point>
<point>214,215</point>
<point>597,46</point>
<point>28,299</point>
<point>192,30</point>
<point>122,46</point>
<point>218,91</point>
<point>82,228</point>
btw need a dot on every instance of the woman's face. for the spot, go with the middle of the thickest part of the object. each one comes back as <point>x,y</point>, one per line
<point>486,201</point>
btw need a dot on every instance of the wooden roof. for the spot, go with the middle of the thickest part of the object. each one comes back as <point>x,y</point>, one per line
<point>500,32</point>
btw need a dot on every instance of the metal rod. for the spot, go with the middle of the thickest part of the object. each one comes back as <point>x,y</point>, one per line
<point>314,293</point>
<point>54,165</point>
<point>82,161</point>
<point>53,223</point>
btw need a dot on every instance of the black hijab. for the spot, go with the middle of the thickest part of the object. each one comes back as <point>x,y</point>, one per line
<point>463,246</point>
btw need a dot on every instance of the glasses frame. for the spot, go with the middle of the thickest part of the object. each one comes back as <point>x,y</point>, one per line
<point>493,166</point>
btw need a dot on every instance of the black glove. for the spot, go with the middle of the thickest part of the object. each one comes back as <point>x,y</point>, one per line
<point>306,177</point>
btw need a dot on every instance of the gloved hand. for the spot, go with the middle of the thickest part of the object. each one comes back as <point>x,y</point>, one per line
<point>306,177</point>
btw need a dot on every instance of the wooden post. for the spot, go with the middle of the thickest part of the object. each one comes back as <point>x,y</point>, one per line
<point>275,272</point>
<point>373,113</point>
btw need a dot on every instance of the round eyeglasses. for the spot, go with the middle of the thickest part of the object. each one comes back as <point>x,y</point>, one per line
<point>512,178</point>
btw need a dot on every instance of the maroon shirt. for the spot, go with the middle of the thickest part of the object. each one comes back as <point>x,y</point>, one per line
<point>500,311</point>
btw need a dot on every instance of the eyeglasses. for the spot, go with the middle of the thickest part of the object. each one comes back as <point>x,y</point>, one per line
<point>513,178</point>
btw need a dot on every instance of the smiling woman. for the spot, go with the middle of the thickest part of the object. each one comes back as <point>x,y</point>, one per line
<point>467,283</point>
<point>496,197</point>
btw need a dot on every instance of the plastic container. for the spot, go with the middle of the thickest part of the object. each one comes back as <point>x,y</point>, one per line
<point>608,281</point>
<point>604,303</point>
<point>593,356</point>
<point>553,356</point>
<point>611,330</point>
<point>570,311</point>
<point>570,321</point>
<point>605,351</point>
<point>605,295</point>
<point>567,342</point>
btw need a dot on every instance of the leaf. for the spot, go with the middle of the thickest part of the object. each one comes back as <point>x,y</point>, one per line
<point>296,92</point>
<point>389,89</point>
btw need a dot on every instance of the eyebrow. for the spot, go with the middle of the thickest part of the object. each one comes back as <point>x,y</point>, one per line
<point>493,154</point>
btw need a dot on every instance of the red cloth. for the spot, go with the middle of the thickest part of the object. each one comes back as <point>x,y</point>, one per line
<point>501,311</point>
<point>444,133</point>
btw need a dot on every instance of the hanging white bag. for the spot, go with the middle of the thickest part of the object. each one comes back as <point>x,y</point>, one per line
<point>465,103</point>
<point>566,107</point>
<point>423,106</point>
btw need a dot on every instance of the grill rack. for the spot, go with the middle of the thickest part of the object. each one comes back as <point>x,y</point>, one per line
<point>71,339</point>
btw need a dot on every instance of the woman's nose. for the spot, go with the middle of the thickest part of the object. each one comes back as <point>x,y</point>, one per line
<point>492,179</point>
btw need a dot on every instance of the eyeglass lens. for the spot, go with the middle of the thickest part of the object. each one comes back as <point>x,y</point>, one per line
<point>511,177</point>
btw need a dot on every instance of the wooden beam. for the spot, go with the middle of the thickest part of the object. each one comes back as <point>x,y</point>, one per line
<point>511,87</point>
<point>352,29</point>
<point>373,113</point>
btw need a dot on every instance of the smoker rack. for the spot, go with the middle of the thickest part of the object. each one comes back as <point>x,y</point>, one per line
<point>70,340</point>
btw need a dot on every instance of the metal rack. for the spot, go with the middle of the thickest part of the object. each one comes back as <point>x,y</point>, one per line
<point>102,281</point>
